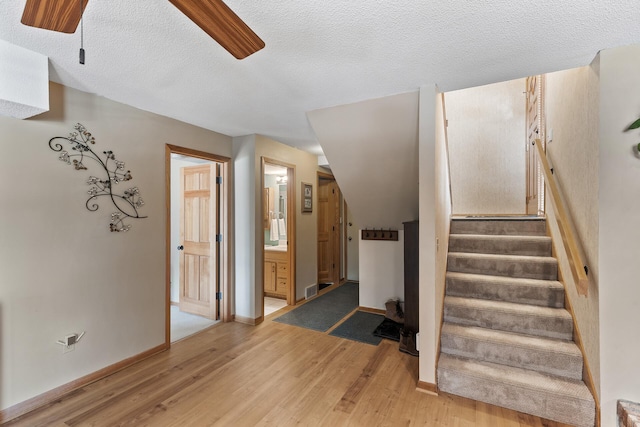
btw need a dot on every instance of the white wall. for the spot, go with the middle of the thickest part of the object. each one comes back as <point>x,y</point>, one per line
<point>619,233</point>
<point>487,148</point>
<point>246,244</point>
<point>572,108</point>
<point>427,234</point>
<point>372,147</point>
<point>443,209</point>
<point>435,218</point>
<point>381,271</point>
<point>62,270</point>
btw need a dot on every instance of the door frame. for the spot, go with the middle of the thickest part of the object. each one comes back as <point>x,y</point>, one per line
<point>224,254</point>
<point>345,238</point>
<point>291,226</point>
<point>530,151</point>
<point>341,243</point>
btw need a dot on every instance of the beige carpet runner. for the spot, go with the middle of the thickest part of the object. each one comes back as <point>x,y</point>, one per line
<point>507,339</point>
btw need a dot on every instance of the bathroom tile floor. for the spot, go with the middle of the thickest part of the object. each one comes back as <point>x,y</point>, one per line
<point>272,305</point>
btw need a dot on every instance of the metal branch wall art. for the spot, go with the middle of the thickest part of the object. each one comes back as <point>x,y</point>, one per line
<point>127,203</point>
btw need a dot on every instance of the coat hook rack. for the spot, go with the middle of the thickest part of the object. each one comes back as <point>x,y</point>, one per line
<point>379,234</point>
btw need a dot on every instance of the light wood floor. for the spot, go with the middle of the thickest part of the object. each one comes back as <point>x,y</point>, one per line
<point>271,374</point>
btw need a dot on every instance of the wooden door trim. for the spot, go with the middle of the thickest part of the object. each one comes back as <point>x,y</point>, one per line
<point>346,240</point>
<point>326,175</point>
<point>225,227</point>
<point>291,226</point>
<point>197,154</point>
<point>534,188</point>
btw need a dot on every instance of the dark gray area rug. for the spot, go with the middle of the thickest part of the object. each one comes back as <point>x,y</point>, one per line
<point>322,312</point>
<point>360,327</point>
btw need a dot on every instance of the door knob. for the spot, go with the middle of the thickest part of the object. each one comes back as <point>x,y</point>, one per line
<point>181,247</point>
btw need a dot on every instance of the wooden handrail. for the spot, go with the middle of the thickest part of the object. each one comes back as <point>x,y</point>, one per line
<point>446,145</point>
<point>578,268</point>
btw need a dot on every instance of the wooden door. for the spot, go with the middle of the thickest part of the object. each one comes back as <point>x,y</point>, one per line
<point>336,253</point>
<point>198,229</point>
<point>353,247</point>
<point>328,231</point>
<point>534,181</point>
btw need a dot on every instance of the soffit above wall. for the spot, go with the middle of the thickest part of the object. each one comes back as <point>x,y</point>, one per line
<point>318,54</point>
<point>24,82</point>
<point>372,147</point>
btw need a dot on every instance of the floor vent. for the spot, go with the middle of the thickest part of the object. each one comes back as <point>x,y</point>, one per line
<point>310,291</point>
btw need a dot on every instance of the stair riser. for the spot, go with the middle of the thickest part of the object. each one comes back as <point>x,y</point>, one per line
<point>549,362</point>
<point>517,227</point>
<point>523,399</point>
<point>500,246</point>
<point>533,295</point>
<point>550,327</point>
<point>547,270</point>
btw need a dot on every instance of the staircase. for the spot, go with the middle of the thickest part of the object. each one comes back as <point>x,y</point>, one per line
<point>507,339</point>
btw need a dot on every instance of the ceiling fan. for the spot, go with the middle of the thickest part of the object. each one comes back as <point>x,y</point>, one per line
<point>213,16</point>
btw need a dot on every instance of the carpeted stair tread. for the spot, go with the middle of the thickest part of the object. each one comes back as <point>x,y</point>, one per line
<point>558,399</point>
<point>548,293</point>
<point>550,356</point>
<point>505,316</point>
<point>528,267</point>
<point>507,339</point>
<point>513,226</point>
<point>500,244</point>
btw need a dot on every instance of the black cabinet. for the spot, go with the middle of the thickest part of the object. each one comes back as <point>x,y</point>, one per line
<point>411,292</point>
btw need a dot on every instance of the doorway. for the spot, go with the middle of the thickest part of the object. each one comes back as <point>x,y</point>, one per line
<point>535,130</point>
<point>278,223</point>
<point>197,241</point>
<point>330,232</point>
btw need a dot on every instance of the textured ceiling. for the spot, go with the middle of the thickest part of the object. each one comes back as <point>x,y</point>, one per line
<point>318,54</point>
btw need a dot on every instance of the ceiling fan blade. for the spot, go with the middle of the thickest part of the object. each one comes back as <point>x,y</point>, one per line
<point>221,23</point>
<point>56,15</point>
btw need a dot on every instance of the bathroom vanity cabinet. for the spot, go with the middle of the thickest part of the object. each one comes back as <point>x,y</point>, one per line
<point>276,273</point>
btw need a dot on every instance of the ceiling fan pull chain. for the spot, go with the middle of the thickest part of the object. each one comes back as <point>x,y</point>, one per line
<point>81,33</point>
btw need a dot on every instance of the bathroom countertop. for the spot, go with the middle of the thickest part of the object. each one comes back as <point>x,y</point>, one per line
<point>279,248</point>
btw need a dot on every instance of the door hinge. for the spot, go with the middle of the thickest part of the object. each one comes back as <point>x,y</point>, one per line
<point>218,238</point>
<point>218,180</point>
<point>218,295</point>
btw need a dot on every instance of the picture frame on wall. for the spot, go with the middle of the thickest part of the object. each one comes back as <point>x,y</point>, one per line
<point>307,197</point>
